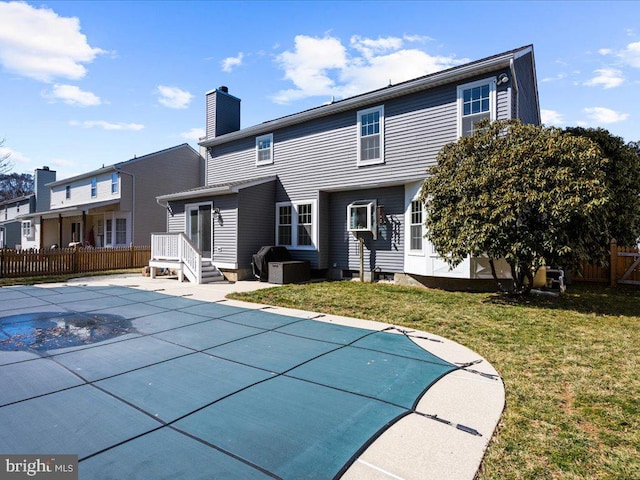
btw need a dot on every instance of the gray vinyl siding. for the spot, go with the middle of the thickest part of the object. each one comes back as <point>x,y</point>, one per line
<point>256,226</point>
<point>322,154</point>
<point>503,110</point>
<point>386,253</point>
<point>176,220</point>
<point>172,171</point>
<point>527,100</point>
<point>225,230</point>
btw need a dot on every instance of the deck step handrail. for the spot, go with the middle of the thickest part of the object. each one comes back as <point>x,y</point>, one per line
<point>177,246</point>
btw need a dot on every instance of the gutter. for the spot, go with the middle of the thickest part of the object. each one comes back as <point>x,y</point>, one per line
<point>384,94</point>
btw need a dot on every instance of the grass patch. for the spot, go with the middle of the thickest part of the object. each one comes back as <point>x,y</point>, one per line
<point>571,367</point>
<point>6,282</point>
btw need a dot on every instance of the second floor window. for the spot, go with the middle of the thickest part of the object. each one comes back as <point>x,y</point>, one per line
<point>371,136</point>
<point>264,149</point>
<point>114,183</point>
<point>94,187</point>
<point>476,101</point>
<point>67,192</point>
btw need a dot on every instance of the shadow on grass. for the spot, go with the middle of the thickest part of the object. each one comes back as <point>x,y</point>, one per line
<point>581,298</point>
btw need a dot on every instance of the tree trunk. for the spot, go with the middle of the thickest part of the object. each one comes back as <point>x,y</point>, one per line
<point>495,276</point>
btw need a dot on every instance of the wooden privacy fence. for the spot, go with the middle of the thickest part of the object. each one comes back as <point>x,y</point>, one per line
<point>623,268</point>
<point>60,261</point>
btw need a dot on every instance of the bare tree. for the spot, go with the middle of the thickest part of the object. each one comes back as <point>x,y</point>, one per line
<point>5,165</point>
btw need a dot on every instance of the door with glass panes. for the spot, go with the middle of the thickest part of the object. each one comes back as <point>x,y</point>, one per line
<point>199,227</point>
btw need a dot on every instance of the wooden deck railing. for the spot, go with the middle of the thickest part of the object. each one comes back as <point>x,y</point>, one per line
<point>60,261</point>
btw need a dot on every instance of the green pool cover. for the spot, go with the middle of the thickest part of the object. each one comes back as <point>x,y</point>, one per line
<point>144,385</point>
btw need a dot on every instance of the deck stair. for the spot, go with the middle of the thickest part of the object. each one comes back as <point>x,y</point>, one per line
<point>175,251</point>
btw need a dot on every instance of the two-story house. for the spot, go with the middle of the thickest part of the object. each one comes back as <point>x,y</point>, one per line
<point>15,233</point>
<point>114,205</point>
<point>321,180</point>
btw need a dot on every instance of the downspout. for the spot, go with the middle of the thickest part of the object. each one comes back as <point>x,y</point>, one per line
<point>133,201</point>
<point>514,84</point>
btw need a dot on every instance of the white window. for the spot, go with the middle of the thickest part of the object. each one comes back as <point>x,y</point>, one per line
<point>416,226</point>
<point>108,233</point>
<point>476,101</point>
<point>114,183</point>
<point>296,225</point>
<point>371,136</point>
<point>67,192</point>
<point>121,231</point>
<point>264,149</point>
<point>94,187</point>
<point>361,217</point>
<point>27,230</point>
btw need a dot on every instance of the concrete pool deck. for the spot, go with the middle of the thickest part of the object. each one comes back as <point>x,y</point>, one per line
<point>443,437</point>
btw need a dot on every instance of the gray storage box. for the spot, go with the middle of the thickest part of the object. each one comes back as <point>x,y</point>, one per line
<point>289,272</point>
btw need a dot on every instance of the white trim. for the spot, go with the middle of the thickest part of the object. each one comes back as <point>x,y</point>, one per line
<point>492,99</point>
<point>187,219</point>
<point>229,265</point>
<point>294,224</point>
<point>269,138</point>
<point>421,252</point>
<point>380,159</point>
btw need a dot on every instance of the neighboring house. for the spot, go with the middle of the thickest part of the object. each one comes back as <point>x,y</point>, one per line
<point>115,205</point>
<point>17,233</point>
<point>319,180</point>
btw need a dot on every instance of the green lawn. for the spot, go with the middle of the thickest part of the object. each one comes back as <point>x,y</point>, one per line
<point>571,367</point>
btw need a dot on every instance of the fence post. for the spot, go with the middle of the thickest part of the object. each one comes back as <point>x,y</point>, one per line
<point>131,255</point>
<point>1,262</point>
<point>613,262</point>
<point>75,259</point>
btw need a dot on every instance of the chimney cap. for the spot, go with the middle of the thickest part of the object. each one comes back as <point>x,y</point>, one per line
<point>224,88</point>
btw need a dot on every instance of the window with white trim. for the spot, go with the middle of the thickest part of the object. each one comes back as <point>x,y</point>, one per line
<point>114,183</point>
<point>27,230</point>
<point>416,227</point>
<point>371,136</point>
<point>296,224</point>
<point>67,192</point>
<point>264,149</point>
<point>476,102</point>
<point>121,231</point>
<point>94,187</point>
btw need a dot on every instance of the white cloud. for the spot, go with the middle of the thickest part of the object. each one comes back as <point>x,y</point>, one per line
<point>606,78</point>
<point>605,51</point>
<point>559,76</point>
<point>605,115</point>
<point>14,157</point>
<point>229,63</point>
<point>173,97</point>
<point>551,117</point>
<point>38,43</point>
<point>326,67</point>
<point>194,134</point>
<point>72,95</point>
<point>631,54</point>
<point>107,125</point>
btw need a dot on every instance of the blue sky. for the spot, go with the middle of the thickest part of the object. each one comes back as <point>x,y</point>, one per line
<point>84,84</point>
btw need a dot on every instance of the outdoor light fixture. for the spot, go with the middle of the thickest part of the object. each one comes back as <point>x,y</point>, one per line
<point>503,78</point>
